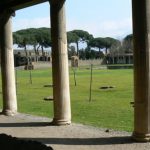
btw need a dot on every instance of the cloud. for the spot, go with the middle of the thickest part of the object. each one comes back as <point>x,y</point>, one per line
<point>31,23</point>
<point>112,28</point>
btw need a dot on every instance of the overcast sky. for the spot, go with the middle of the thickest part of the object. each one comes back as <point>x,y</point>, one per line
<point>102,18</point>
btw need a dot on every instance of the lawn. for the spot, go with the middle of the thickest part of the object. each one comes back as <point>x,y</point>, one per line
<point>109,108</point>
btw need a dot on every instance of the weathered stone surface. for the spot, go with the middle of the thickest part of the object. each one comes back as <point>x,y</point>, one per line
<point>7,65</point>
<point>141,35</point>
<point>61,90</point>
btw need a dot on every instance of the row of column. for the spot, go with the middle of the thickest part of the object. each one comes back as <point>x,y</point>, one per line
<point>61,93</point>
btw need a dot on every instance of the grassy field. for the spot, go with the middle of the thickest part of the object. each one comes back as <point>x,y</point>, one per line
<point>109,108</point>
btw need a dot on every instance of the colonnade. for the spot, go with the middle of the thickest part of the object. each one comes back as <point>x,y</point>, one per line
<point>61,93</point>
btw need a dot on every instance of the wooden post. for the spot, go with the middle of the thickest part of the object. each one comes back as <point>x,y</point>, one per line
<point>141,36</point>
<point>7,64</point>
<point>91,79</point>
<point>61,91</point>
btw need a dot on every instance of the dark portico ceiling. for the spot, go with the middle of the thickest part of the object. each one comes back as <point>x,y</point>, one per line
<point>18,4</point>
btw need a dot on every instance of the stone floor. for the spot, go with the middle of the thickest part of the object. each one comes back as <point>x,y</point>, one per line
<point>73,137</point>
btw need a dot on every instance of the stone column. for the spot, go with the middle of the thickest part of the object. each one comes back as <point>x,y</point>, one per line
<point>141,36</point>
<point>61,91</point>
<point>113,59</point>
<point>7,64</point>
<point>129,59</point>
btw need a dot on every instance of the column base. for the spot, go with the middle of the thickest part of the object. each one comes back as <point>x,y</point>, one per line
<point>141,137</point>
<point>9,112</point>
<point>60,122</point>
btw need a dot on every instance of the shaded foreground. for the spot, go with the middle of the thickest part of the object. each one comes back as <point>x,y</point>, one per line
<point>8,142</point>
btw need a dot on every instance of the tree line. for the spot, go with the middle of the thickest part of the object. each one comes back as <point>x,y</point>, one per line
<point>99,47</point>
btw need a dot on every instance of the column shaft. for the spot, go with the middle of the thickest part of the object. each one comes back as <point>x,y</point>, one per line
<point>141,36</point>
<point>61,91</point>
<point>7,66</point>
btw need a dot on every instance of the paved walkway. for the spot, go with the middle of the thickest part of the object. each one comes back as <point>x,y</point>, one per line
<point>73,137</point>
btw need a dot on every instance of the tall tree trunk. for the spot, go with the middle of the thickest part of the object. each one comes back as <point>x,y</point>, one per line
<point>42,53</point>
<point>77,49</point>
<point>25,49</point>
<point>106,50</point>
<point>99,52</point>
<point>106,55</point>
<point>42,50</point>
<point>35,51</point>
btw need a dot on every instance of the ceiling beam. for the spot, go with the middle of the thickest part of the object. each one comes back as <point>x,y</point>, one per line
<point>19,4</point>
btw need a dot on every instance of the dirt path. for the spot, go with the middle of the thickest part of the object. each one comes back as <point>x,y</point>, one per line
<point>73,137</point>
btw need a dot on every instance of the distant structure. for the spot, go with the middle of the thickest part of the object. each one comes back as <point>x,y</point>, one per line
<point>20,58</point>
<point>120,58</point>
<point>46,56</point>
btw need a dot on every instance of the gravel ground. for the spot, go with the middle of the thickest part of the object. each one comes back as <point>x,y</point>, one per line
<point>72,137</point>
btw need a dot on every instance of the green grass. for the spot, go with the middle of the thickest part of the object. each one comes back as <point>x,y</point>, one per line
<point>109,108</point>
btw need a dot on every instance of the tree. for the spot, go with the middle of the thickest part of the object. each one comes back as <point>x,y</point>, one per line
<point>21,39</point>
<point>37,37</point>
<point>71,52</point>
<point>116,48</point>
<point>72,38</point>
<point>97,43</point>
<point>101,43</point>
<point>43,38</point>
<point>77,36</point>
<point>108,42</point>
<point>82,54</point>
<point>83,35</point>
<point>128,43</point>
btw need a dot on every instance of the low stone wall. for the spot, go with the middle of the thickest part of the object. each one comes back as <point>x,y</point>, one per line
<point>120,67</point>
<point>88,62</point>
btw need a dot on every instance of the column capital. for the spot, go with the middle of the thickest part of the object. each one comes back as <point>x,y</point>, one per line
<point>6,14</point>
<point>55,2</point>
